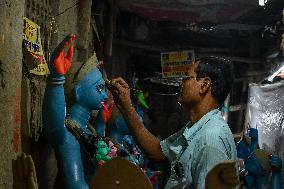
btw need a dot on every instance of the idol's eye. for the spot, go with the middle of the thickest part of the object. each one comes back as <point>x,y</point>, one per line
<point>100,88</point>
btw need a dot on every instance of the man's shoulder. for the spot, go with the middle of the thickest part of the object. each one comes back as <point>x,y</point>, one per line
<point>217,125</point>
<point>216,131</point>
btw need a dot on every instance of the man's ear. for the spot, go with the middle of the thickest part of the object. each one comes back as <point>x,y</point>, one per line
<point>206,83</point>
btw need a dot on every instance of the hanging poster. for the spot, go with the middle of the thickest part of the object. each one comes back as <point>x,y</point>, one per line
<point>32,49</point>
<point>176,64</point>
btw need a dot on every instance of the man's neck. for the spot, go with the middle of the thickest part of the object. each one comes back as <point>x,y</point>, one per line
<point>197,111</point>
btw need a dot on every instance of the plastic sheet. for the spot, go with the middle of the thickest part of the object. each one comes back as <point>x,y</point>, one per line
<point>265,111</point>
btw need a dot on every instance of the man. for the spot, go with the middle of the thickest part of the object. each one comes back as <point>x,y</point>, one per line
<point>201,144</point>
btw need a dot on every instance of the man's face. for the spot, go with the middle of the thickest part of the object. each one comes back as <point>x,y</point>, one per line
<point>190,87</point>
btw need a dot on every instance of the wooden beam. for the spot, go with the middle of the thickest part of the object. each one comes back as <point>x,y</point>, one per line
<point>237,107</point>
<point>201,51</point>
<point>255,73</point>
<point>237,26</point>
<point>84,14</point>
<point>248,75</point>
<point>157,48</point>
<point>138,45</point>
<point>234,58</point>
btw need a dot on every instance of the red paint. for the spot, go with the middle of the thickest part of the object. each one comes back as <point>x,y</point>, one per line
<point>63,63</point>
<point>106,113</point>
<point>17,122</point>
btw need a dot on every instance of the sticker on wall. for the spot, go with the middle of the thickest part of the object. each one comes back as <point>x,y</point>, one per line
<point>32,49</point>
<point>176,64</point>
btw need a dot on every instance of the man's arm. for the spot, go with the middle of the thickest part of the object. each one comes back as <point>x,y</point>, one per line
<point>147,141</point>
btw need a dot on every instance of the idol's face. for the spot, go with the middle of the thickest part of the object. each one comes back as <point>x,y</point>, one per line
<point>91,91</point>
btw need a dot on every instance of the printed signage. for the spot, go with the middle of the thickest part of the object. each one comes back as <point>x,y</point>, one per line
<point>32,50</point>
<point>176,64</point>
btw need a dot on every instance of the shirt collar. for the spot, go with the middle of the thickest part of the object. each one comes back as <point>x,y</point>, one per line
<point>190,132</point>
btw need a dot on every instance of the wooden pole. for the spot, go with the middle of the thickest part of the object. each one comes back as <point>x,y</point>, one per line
<point>11,29</point>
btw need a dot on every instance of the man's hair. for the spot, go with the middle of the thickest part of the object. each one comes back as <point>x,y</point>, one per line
<point>221,73</point>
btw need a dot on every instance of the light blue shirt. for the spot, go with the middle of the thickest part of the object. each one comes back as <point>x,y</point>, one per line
<point>195,150</point>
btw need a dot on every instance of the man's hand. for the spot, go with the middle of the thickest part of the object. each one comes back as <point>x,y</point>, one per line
<point>223,176</point>
<point>146,140</point>
<point>59,63</point>
<point>121,93</point>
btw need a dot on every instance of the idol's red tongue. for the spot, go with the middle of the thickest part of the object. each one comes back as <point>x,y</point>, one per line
<point>104,106</point>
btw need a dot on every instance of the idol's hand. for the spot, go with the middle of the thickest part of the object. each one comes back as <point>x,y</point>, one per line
<point>60,63</point>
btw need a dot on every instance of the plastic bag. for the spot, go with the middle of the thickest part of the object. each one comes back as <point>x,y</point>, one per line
<point>265,111</point>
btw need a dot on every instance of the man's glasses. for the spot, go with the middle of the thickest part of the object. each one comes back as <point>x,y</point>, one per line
<point>185,78</point>
<point>188,78</point>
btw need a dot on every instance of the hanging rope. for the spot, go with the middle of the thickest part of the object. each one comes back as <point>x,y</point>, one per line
<point>75,4</point>
<point>52,28</point>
